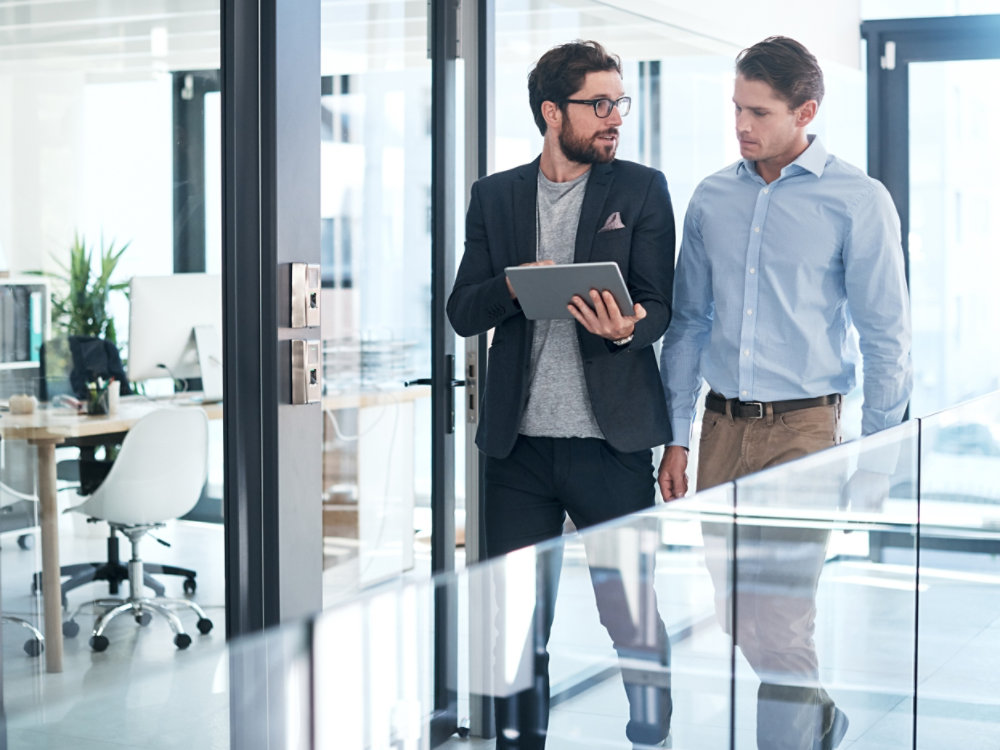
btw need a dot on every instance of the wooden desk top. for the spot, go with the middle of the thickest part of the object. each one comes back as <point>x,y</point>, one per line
<point>62,423</point>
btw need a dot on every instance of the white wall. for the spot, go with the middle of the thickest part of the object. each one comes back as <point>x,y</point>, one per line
<point>830,30</point>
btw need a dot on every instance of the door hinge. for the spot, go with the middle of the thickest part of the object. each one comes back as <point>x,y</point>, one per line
<point>889,56</point>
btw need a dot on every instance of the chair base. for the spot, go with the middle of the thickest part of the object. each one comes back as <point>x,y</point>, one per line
<point>115,572</point>
<point>34,645</point>
<point>142,609</point>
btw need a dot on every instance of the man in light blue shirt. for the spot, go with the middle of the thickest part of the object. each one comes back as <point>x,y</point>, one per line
<point>782,252</point>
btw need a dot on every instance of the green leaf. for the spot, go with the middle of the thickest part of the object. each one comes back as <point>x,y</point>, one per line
<point>80,300</point>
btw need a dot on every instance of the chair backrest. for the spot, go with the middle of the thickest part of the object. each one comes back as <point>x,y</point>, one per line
<point>159,472</point>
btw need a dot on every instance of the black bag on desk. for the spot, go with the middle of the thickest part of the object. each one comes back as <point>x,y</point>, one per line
<point>94,358</point>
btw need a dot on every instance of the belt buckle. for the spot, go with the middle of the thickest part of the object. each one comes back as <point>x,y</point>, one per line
<point>759,405</point>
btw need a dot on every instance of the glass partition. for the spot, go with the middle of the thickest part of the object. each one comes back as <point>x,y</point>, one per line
<point>376,292</point>
<point>106,173</point>
<point>959,490</point>
<point>812,564</point>
<point>825,632</point>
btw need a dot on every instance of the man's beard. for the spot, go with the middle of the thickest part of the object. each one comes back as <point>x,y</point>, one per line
<point>584,151</point>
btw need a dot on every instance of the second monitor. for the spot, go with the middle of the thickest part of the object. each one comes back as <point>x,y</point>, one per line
<point>175,329</point>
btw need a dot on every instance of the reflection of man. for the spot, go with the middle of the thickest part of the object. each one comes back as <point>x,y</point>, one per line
<point>571,408</point>
<point>781,252</point>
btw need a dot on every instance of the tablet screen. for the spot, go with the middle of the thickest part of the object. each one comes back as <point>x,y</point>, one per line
<point>545,291</point>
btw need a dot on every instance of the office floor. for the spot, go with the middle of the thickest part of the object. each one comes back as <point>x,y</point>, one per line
<point>960,657</point>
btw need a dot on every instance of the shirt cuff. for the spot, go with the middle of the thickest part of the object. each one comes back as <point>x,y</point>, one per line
<point>681,432</point>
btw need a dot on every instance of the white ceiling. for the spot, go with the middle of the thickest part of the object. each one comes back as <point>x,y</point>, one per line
<point>125,38</point>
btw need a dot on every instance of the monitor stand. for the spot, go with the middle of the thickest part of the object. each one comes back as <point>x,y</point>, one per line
<point>209,348</point>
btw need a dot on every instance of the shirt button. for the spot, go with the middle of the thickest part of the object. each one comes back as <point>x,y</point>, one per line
<point>746,352</point>
<point>749,312</point>
<point>744,392</point>
<point>756,229</point>
<point>766,190</point>
<point>753,271</point>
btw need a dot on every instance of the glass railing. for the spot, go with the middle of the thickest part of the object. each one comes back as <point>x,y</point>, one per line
<point>862,584</point>
<point>958,692</point>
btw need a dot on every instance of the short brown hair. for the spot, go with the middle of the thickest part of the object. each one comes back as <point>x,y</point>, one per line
<point>560,72</point>
<point>786,66</point>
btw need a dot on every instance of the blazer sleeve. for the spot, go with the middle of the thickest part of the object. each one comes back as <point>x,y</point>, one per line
<point>479,299</point>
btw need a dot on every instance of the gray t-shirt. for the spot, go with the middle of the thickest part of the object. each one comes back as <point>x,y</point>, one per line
<point>558,402</point>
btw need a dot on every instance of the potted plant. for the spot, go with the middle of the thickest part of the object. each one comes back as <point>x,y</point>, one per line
<point>80,302</point>
<point>80,307</point>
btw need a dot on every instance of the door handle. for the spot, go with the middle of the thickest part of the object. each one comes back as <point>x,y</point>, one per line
<point>428,381</point>
<point>449,367</point>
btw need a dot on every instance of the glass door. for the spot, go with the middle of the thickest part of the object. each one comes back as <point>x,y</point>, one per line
<point>953,231</point>
<point>932,118</point>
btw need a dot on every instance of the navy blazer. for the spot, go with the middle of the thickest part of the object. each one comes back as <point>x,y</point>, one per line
<point>623,382</point>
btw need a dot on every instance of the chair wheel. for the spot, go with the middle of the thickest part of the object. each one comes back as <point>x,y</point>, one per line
<point>204,625</point>
<point>190,586</point>
<point>33,647</point>
<point>98,642</point>
<point>26,541</point>
<point>70,628</point>
<point>144,618</point>
<point>182,640</point>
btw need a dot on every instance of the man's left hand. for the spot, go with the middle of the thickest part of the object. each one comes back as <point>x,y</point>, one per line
<point>602,316</point>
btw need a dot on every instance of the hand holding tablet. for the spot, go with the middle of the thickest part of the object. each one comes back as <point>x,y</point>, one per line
<point>544,292</point>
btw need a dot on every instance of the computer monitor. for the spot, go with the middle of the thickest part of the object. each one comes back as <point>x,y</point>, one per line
<point>175,329</point>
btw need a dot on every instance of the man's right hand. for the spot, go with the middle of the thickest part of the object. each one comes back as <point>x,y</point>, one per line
<point>536,263</point>
<point>672,475</point>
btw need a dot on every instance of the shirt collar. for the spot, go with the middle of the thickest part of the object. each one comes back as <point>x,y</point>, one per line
<point>813,159</point>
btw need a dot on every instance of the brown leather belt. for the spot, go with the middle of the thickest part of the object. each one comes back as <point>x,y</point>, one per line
<point>758,409</point>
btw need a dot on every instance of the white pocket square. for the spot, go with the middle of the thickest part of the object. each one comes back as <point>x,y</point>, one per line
<point>613,222</point>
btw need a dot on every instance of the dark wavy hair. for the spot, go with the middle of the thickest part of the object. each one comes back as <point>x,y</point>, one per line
<point>786,66</point>
<point>560,72</point>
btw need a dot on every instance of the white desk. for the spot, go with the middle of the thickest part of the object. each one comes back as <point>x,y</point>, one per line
<point>45,429</point>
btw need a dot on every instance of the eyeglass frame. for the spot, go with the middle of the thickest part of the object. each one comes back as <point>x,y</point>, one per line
<point>614,103</point>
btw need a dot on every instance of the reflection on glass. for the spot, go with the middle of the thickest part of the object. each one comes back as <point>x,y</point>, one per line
<point>953,230</point>
<point>791,538</point>
<point>959,487</point>
<point>375,263</point>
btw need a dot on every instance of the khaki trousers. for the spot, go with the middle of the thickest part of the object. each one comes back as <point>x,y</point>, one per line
<point>766,597</point>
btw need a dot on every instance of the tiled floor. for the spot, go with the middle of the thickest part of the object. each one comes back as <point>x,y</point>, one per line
<point>153,695</point>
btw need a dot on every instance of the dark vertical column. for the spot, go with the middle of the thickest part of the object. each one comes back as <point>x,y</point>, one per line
<point>480,97</point>
<point>443,46</point>
<point>271,120</point>
<point>189,188</point>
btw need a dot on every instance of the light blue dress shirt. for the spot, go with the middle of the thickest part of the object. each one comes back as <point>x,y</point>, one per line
<point>771,277</point>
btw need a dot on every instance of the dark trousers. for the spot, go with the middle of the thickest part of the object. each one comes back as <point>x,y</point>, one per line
<point>528,496</point>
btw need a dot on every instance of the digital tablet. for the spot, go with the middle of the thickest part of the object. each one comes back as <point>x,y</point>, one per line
<point>545,291</point>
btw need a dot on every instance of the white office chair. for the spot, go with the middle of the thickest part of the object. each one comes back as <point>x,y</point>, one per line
<point>158,476</point>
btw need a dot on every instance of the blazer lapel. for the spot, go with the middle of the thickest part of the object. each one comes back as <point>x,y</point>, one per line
<point>598,186</point>
<point>525,189</point>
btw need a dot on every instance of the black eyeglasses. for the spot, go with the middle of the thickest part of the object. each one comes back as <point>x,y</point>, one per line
<point>603,107</point>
